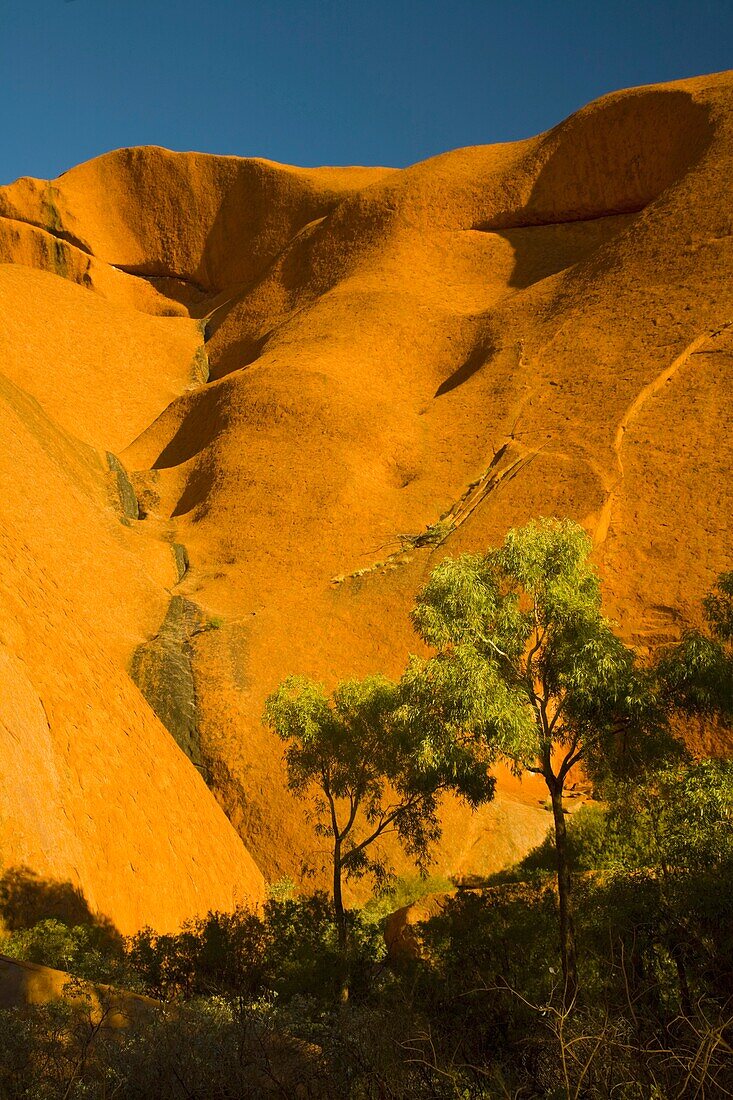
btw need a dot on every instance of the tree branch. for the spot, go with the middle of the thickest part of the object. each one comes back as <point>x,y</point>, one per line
<point>569,762</point>
<point>557,714</point>
<point>327,791</point>
<point>384,822</point>
<point>494,646</point>
<point>354,801</point>
<point>539,634</point>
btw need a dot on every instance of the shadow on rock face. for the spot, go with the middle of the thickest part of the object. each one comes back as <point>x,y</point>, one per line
<point>26,899</point>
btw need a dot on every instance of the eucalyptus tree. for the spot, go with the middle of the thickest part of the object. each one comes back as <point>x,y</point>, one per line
<point>527,663</point>
<point>368,773</point>
<point>697,672</point>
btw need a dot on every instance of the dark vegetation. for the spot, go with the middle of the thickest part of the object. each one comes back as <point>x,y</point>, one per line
<point>600,966</point>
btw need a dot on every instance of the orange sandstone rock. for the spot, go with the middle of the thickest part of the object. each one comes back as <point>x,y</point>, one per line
<point>24,983</point>
<point>320,381</point>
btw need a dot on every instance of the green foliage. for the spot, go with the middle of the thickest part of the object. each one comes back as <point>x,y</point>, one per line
<point>595,842</point>
<point>480,1015</point>
<point>305,953</point>
<point>527,669</point>
<point>528,666</point>
<point>282,890</point>
<point>290,950</point>
<point>334,739</point>
<point>677,820</point>
<point>718,607</point>
<point>456,698</point>
<point>403,891</point>
<point>83,950</point>
<point>209,1047</point>
<point>219,953</point>
<point>490,940</point>
<point>526,661</point>
<point>661,907</point>
<point>685,811</point>
<point>697,673</point>
<point>361,760</point>
<point>36,1054</point>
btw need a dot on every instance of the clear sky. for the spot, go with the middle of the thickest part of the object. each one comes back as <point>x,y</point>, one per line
<point>326,81</point>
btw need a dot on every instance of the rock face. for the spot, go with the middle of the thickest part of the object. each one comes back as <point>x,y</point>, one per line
<point>24,983</point>
<point>318,382</point>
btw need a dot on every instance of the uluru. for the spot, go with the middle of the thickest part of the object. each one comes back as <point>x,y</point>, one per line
<point>271,435</point>
<point>248,405</point>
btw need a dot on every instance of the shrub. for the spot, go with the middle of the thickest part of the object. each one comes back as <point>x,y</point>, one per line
<point>82,950</point>
<point>291,950</point>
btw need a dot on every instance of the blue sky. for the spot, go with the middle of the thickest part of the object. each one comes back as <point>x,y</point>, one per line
<point>325,81</point>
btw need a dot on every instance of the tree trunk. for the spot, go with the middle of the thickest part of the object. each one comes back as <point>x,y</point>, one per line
<point>567,929</point>
<point>343,942</point>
